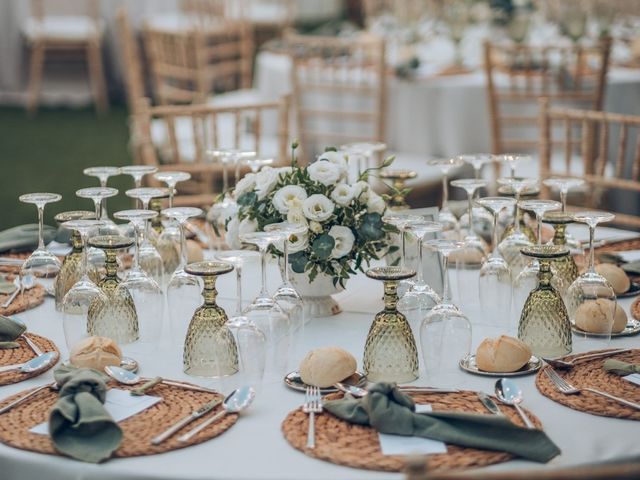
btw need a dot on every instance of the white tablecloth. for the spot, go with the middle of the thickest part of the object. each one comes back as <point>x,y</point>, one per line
<point>255,448</point>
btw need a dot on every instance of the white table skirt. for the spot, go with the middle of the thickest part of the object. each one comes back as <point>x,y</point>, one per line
<point>255,447</point>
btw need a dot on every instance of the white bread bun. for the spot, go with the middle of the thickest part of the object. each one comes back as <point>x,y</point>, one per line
<point>96,353</point>
<point>593,316</point>
<point>502,354</point>
<point>325,366</point>
<point>616,277</point>
<point>194,252</point>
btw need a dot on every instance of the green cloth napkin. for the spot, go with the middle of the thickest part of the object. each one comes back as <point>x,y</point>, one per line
<point>620,368</point>
<point>79,425</point>
<point>24,237</point>
<point>10,329</point>
<point>388,410</point>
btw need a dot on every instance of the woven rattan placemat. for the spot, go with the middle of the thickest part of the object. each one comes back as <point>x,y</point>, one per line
<point>635,309</point>
<point>357,446</point>
<point>13,268</point>
<point>24,300</point>
<point>620,246</point>
<point>591,374</point>
<point>13,356</point>
<point>138,430</point>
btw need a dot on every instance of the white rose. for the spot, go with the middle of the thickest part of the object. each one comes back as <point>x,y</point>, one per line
<point>342,194</point>
<point>245,184</point>
<point>324,172</point>
<point>317,207</point>
<point>232,239</point>
<point>344,240</point>
<point>337,158</point>
<point>296,215</point>
<point>266,179</point>
<point>375,203</point>
<point>361,190</point>
<point>288,197</point>
<point>315,227</point>
<point>297,243</point>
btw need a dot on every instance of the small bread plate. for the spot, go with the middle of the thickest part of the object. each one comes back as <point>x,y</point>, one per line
<point>468,364</point>
<point>634,290</point>
<point>293,380</point>
<point>632,328</point>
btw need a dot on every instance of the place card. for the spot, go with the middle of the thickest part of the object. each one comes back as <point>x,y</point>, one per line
<point>403,445</point>
<point>119,403</point>
<point>633,378</point>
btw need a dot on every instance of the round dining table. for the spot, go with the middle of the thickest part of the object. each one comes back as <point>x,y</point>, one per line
<point>255,448</point>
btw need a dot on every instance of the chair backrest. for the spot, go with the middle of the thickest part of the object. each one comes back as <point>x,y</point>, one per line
<point>518,75</point>
<point>131,59</point>
<point>339,90</point>
<point>42,8</point>
<point>608,145</point>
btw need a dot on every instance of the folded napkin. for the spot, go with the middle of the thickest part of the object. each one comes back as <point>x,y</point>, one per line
<point>79,425</point>
<point>388,410</point>
<point>620,368</point>
<point>10,329</point>
<point>24,237</point>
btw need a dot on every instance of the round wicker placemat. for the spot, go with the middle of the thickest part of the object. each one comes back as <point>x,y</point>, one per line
<point>138,430</point>
<point>23,354</point>
<point>357,446</point>
<point>13,268</point>
<point>635,309</point>
<point>591,374</point>
<point>24,301</point>
<point>620,246</point>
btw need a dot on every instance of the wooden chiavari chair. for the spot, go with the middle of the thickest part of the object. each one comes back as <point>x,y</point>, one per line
<point>608,146</point>
<point>177,137</point>
<point>132,61</point>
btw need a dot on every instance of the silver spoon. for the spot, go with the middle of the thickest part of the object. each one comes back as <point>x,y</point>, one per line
<point>237,401</point>
<point>127,377</point>
<point>36,364</point>
<point>509,393</point>
<point>28,282</point>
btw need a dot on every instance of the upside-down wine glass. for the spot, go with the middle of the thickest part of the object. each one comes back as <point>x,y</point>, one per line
<point>445,332</point>
<point>564,185</point>
<point>183,290</point>
<point>138,172</point>
<point>103,174</point>
<point>513,160</point>
<point>363,153</point>
<point>477,161</point>
<point>591,301</point>
<point>495,275</point>
<point>527,279</point>
<point>267,314</point>
<point>76,302</point>
<point>400,220</point>
<point>255,164</point>
<point>445,216</point>
<point>41,263</point>
<point>233,156</point>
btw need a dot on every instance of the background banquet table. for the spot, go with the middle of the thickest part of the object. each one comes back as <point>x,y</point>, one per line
<point>255,447</point>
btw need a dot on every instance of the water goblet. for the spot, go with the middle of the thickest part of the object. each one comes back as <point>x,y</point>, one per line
<point>103,174</point>
<point>477,161</point>
<point>41,263</point>
<point>564,269</point>
<point>233,156</point>
<point>445,216</point>
<point>495,275</point>
<point>564,185</point>
<point>183,290</point>
<point>400,220</point>
<point>527,279</point>
<point>98,195</point>
<point>255,164</point>
<point>362,153</point>
<point>472,240</point>
<point>590,296</point>
<point>79,298</point>
<point>445,332</point>
<point>171,178</point>
<point>138,172</point>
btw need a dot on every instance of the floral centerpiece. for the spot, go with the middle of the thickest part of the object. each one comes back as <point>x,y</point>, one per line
<point>344,221</point>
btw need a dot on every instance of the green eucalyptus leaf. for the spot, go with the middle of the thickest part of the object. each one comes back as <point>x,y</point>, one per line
<point>247,199</point>
<point>298,261</point>
<point>323,245</point>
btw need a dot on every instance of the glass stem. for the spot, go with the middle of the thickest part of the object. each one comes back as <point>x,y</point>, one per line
<point>263,263</point>
<point>285,254</point>
<point>136,251</point>
<point>539,221</point>
<point>170,197</point>
<point>495,234</point>
<point>97,203</point>
<point>404,249</point>
<point>40,227</point>
<point>85,256</point>
<point>592,230</point>
<point>445,280</point>
<point>183,246</point>
<point>445,193</point>
<point>239,289</point>
<point>516,216</point>
<point>469,197</point>
<point>563,199</point>
<point>420,272</point>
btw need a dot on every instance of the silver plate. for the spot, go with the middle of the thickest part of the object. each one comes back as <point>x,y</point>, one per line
<point>293,380</point>
<point>634,290</point>
<point>127,363</point>
<point>468,364</point>
<point>632,328</point>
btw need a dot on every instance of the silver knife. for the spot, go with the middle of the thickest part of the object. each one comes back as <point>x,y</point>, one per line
<point>203,410</point>
<point>489,404</point>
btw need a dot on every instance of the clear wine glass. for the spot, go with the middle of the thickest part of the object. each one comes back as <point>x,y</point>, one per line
<point>103,174</point>
<point>41,263</point>
<point>183,290</point>
<point>477,161</point>
<point>445,216</point>
<point>76,302</point>
<point>148,256</point>
<point>591,301</point>
<point>527,279</point>
<point>255,164</point>
<point>250,339</point>
<point>138,172</point>
<point>564,185</point>
<point>234,157</point>
<point>146,293</point>
<point>399,220</point>
<point>513,160</point>
<point>171,179</point>
<point>265,312</point>
<point>472,240</point>
<point>445,332</point>
<point>495,275</point>
<point>363,153</point>
<point>515,241</point>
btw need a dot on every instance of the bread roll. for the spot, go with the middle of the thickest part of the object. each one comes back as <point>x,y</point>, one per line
<point>616,277</point>
<point>96,353</point>
<point>194,252</point>
<point>593,316</point>
<point>325,366</point>
<point>502,354</point>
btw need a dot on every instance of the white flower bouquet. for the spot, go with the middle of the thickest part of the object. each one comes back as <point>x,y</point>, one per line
<point>344,221</point>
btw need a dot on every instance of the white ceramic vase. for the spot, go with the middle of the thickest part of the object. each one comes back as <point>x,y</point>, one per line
<point>316,295</point>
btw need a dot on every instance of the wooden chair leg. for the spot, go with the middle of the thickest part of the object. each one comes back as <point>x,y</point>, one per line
<point>96,76</point>
<point>35,76</point>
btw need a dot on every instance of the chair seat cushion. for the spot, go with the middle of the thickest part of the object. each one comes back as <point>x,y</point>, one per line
<point>63,28</point>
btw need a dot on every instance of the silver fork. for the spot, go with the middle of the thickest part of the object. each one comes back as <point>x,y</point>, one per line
<point>312,405</point>
<point>565,387</point>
